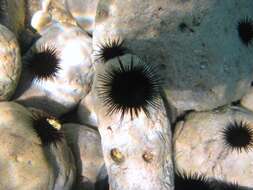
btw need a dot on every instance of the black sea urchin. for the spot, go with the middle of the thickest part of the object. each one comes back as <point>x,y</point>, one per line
<point>238,136</point>
<point>195,181</point>
<point>111,49</point>
<point>245,30</point>
<point>228,186</point>
<point>46,130</point>
<point>130,88</point>
<point>44,63</point>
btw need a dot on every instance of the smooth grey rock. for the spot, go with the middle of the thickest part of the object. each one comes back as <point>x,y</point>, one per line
<point>194,43</point>
<point>200,147</point>
<point>86,146</point>
<point>10,63</point>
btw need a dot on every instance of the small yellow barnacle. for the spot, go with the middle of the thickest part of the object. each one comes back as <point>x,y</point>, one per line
<point>117,156</point>
<point>55,123</point>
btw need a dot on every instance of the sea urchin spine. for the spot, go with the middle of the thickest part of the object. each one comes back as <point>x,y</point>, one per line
<point>130,88</point>
<point>245,30</point>
<point>111,49</point>
<point>238,136</point>
<point>185,181</point>
<point>44,63</point>
<point>48,130</point>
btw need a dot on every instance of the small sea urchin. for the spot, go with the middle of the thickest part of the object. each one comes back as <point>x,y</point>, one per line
<point>111,49</point>
<point>245,30</point>
<point>195,181</point>
<point>130,88</point>
<point>44,63</point>
<point>45,129</point>
<point>238,136</point>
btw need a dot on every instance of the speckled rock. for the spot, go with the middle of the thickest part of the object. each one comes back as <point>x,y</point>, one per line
<point>24,166</point>
<point>86,146</point>
<point>13,16</point>
<point>84,11</point>
<point>201,57</point>
<point>137,150</point>
<point>200,146</point>
<point>72,81</point>
<point>10,63</point>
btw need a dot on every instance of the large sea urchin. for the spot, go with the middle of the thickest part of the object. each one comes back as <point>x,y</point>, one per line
<point>44,63</point>
<point>45,129</point>
<point>111,49</point>
<point>245,30</point>
<point>130,88</point>
<point>238,136</point>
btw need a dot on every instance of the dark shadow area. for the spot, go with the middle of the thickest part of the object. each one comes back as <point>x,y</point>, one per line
<point>42,102</point>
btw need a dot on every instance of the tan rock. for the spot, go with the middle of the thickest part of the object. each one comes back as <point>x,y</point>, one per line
<point>10,63</point>
<point>24,165</point>
<point>200,146</point>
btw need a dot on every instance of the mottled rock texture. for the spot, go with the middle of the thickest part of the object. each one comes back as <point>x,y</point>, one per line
<point>195,44</point>
<point>200,147</point>
<point>10,63</point>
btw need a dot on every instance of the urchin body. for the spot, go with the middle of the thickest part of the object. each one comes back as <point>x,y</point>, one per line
<point>60,89</point>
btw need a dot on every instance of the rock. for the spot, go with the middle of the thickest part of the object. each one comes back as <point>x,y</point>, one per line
<point>72,76</point>
<point>86,146</point>
<point>63,162</point>
<point>203,60</point>
<point>135,137</point>
<point>10,63</point>
<point>84,11</point>
<point>52,11</point>
<point>247,100</point>
<point>204,145</point>
<point>24,165</point>
<point>86,113</point>
<point>13,15</point>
